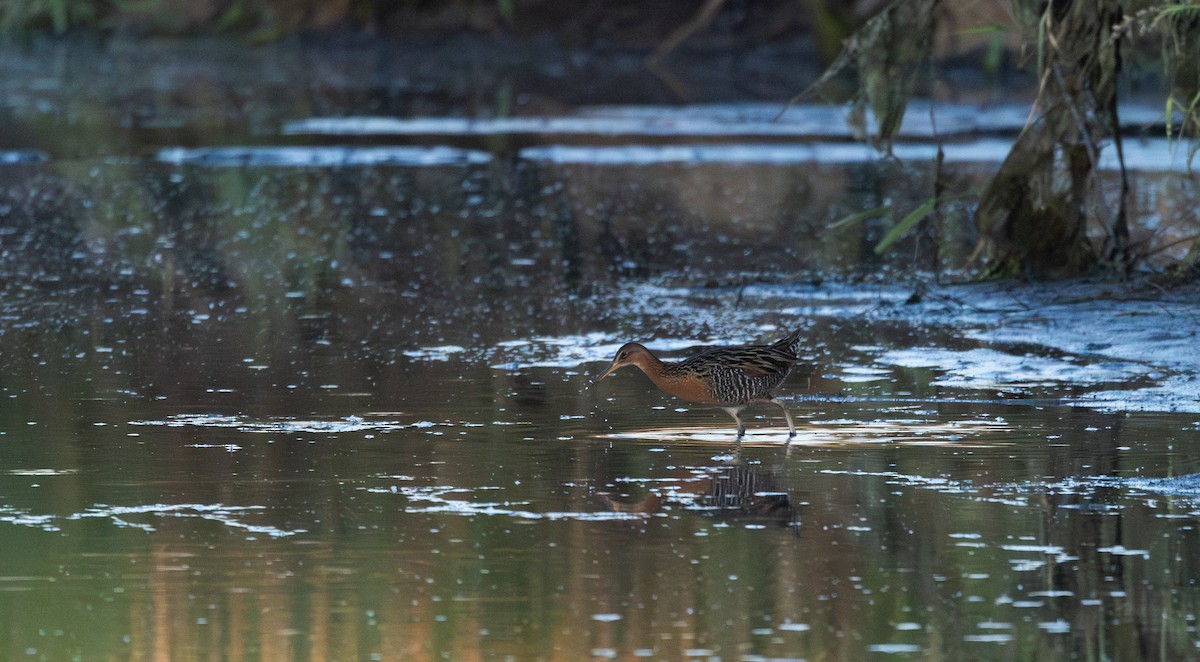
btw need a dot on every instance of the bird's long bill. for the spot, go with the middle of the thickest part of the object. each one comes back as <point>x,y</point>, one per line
<point>612,367</point>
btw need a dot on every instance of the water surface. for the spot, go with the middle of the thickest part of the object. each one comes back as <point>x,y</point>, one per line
<point>299,483</point>
<point>317,386</point>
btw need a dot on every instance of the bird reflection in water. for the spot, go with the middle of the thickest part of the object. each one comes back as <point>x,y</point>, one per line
<point>733,490</point>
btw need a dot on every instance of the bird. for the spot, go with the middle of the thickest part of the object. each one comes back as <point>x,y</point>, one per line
<point>731,378</point>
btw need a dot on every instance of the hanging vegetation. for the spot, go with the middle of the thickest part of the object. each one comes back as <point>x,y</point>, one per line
<point>1033,216</point>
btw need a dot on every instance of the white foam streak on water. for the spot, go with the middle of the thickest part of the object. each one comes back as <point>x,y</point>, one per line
<point>1178,393</point>
<point>855,374</point>
<point>891,649</point>
<point>720,119</point>
<point>981,151</point>
<point>230,516</point>
<point>1045,549</point>
<point>1121,550</point>
<point>1059,626</point>
<point>568,351</point>
<point>847,432</point>
<point>1141,155</point>
<point>1179,490</point>
<point>938,483</point>
<point>244,424</point>
<point>440,353</point>
<point>984,368</point>
<point>441,504</point>
<point>988,638</point>
<point>1186,486</point>
<point>612,121</point>
<point>290,157</point>
<point>22,517</point>
<point>230,448</point>
<point>473,511</point>
<point>827,153</point>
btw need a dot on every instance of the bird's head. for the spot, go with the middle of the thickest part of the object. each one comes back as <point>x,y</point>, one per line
<point>629,354</point>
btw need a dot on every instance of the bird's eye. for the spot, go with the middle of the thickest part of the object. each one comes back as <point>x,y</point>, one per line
<point>623,356</point>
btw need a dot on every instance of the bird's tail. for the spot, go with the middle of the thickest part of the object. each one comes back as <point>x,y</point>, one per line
<point>791,343</point>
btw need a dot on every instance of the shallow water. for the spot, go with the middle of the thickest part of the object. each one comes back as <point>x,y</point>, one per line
<point>271,491</point>
<point>322,390</point>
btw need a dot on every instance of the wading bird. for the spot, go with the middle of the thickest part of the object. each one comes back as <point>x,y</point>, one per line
<point>731,378</point>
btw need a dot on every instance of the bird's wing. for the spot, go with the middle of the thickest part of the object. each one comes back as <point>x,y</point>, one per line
<point>753,361</point>
<point>790,344</point>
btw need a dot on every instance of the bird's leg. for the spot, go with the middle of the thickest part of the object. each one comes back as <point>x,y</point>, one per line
<point>788,416</point>
<point>734,411</point>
